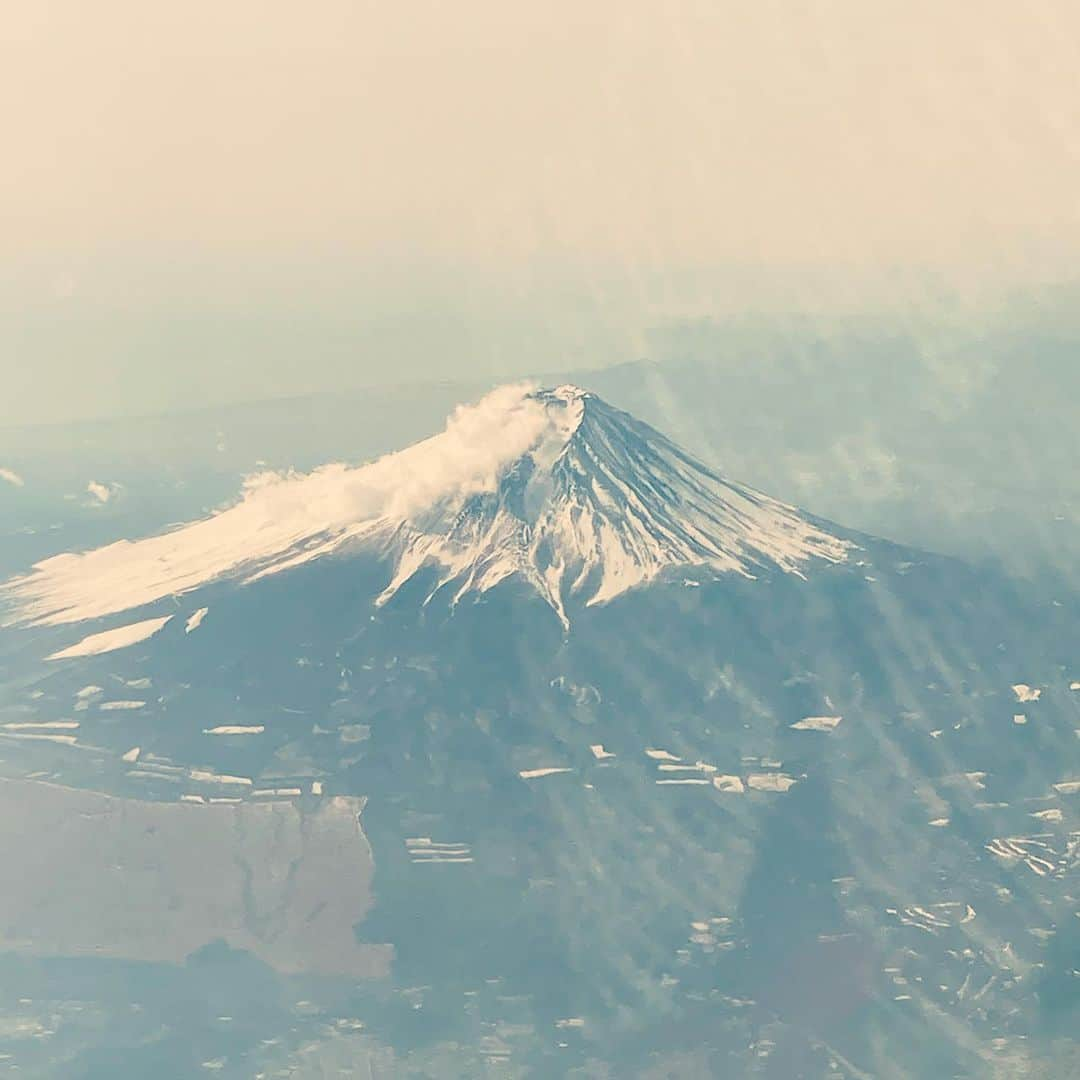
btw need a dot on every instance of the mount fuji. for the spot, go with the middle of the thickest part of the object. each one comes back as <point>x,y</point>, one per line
<point>556,487</point>
<point>660,776</point>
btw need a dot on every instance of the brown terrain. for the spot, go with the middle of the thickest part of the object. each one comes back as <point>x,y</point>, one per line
<point>92,874</point>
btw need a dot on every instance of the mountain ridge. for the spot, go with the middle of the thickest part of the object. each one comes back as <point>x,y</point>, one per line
<point>553,485</point>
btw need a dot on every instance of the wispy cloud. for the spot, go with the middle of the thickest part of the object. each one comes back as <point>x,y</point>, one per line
<point>11,477</point>
<point>282,519</point>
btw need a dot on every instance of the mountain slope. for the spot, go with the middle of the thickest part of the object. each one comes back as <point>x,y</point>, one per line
<point>768,812</point>
<point>555,486</point>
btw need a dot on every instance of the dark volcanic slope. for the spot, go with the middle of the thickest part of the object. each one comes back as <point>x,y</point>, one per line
<point>702,876</point>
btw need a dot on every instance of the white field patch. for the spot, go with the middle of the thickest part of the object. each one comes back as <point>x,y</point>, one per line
<point>111,640</point>
<point>88,692</point>
<point>1031,851</point>
<point>730,784</point>
<point>661,755</point>
<point>205,776</point>
<point>770,781</point>
<point>697,767</point>
<point>816,723</point>
<point>99,492</point>
<point>933,918</point>
<point>42,725</point>
<point>39,736</point>
<point>976,781</point>
<point>423,850</point>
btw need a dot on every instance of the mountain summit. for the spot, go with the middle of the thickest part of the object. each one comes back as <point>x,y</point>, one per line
<point>554,486</point>
<point>599,503</point>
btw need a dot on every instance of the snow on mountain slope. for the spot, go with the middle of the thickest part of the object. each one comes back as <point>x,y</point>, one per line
<point>553,486</point>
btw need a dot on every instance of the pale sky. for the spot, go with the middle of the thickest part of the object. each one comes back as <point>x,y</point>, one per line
<point>222,198</point>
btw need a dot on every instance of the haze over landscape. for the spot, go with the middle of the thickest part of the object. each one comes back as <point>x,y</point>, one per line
<point>540,541</point>
<point>226,202</point>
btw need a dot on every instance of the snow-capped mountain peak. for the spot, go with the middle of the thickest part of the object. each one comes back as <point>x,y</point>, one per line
<point>553,486</point>
<point>600,504</point>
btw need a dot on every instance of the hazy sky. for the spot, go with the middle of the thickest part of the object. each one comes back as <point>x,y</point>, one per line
<point>221,198</point>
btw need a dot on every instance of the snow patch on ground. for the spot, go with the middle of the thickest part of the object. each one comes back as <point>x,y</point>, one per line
<point>661,755</point>
<point>205,776</point>
<point>816,723</point>
<point>42,725</point>
<point>729,784</point>
<point>100,493</point>
<point>770,781</point>
<point>110,640</point>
